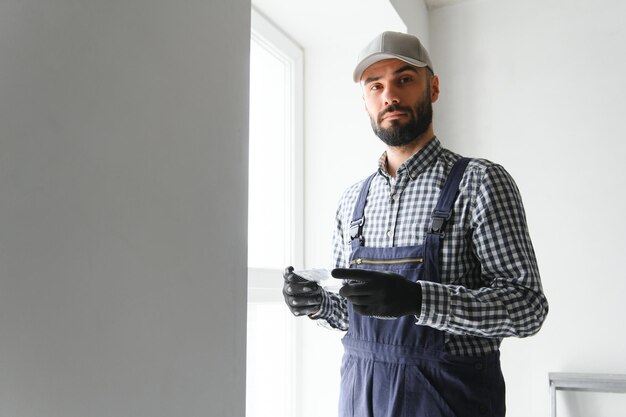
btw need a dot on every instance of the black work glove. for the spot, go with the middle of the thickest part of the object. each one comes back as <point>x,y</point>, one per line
<point>380,293</point>
<point>302,297</point>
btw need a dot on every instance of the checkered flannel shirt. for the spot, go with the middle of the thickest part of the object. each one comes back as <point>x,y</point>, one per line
<point>490,286</point>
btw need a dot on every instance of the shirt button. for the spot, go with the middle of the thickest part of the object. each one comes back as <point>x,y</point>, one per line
<point>390,233</point>
<point>396,197</point>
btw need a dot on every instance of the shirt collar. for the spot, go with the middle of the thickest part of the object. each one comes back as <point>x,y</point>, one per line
<point>416,163</point>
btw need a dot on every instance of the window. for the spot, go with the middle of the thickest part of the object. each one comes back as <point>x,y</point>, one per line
<point>274,216</point>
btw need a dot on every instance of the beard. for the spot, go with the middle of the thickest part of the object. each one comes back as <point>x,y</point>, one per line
<point>398,134</point>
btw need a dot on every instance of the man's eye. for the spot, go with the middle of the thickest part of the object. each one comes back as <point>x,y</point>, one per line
<point>375,87</point>
<point>405,80</point>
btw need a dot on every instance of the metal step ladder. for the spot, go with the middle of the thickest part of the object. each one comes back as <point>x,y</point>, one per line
<point>584,382</point>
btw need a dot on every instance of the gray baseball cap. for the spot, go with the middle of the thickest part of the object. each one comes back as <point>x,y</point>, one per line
<point>389,45</point>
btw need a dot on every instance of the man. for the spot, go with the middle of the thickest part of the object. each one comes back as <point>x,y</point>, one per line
<point>435,255</point>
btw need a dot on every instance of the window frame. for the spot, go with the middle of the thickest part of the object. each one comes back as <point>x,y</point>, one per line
<point>264,284</point>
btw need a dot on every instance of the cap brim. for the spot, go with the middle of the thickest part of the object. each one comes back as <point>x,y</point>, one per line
<point>372,59</point>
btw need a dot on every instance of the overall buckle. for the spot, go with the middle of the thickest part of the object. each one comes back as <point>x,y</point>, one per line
<point>439,220</point>
<point>355,228</point>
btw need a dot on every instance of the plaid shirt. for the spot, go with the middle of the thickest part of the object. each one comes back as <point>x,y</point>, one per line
<point>490,286</point>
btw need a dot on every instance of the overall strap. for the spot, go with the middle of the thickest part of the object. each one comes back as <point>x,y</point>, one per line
<point>358,219</point>
<point>441,214</point>
<point>443,210</point>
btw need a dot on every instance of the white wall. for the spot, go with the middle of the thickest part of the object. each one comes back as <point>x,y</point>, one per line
<point>123,161</point>
<point>414,14</point>
<point>538,86</point>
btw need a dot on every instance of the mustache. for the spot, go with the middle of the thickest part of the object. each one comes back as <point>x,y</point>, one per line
<point>394,107</point>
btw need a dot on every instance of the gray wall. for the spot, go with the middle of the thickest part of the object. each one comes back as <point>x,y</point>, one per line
<point>123,171</point>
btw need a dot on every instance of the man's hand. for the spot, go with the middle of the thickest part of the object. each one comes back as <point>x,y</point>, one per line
<point>380,293</point>
<point>302,297</point>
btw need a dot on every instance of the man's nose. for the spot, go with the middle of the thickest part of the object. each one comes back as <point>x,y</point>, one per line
<point>391,96</point>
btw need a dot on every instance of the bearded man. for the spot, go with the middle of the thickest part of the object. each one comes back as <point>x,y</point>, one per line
<point>435,257</point>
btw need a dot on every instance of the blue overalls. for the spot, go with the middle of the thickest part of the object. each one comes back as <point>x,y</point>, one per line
<point>395,368</point>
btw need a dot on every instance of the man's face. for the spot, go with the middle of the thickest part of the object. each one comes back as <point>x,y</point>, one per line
<point>398,98</point>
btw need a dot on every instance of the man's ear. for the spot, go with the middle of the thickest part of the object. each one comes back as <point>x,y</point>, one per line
<point>434,88</point>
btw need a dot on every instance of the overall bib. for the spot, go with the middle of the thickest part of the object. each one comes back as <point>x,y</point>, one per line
<point>395,368</point>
